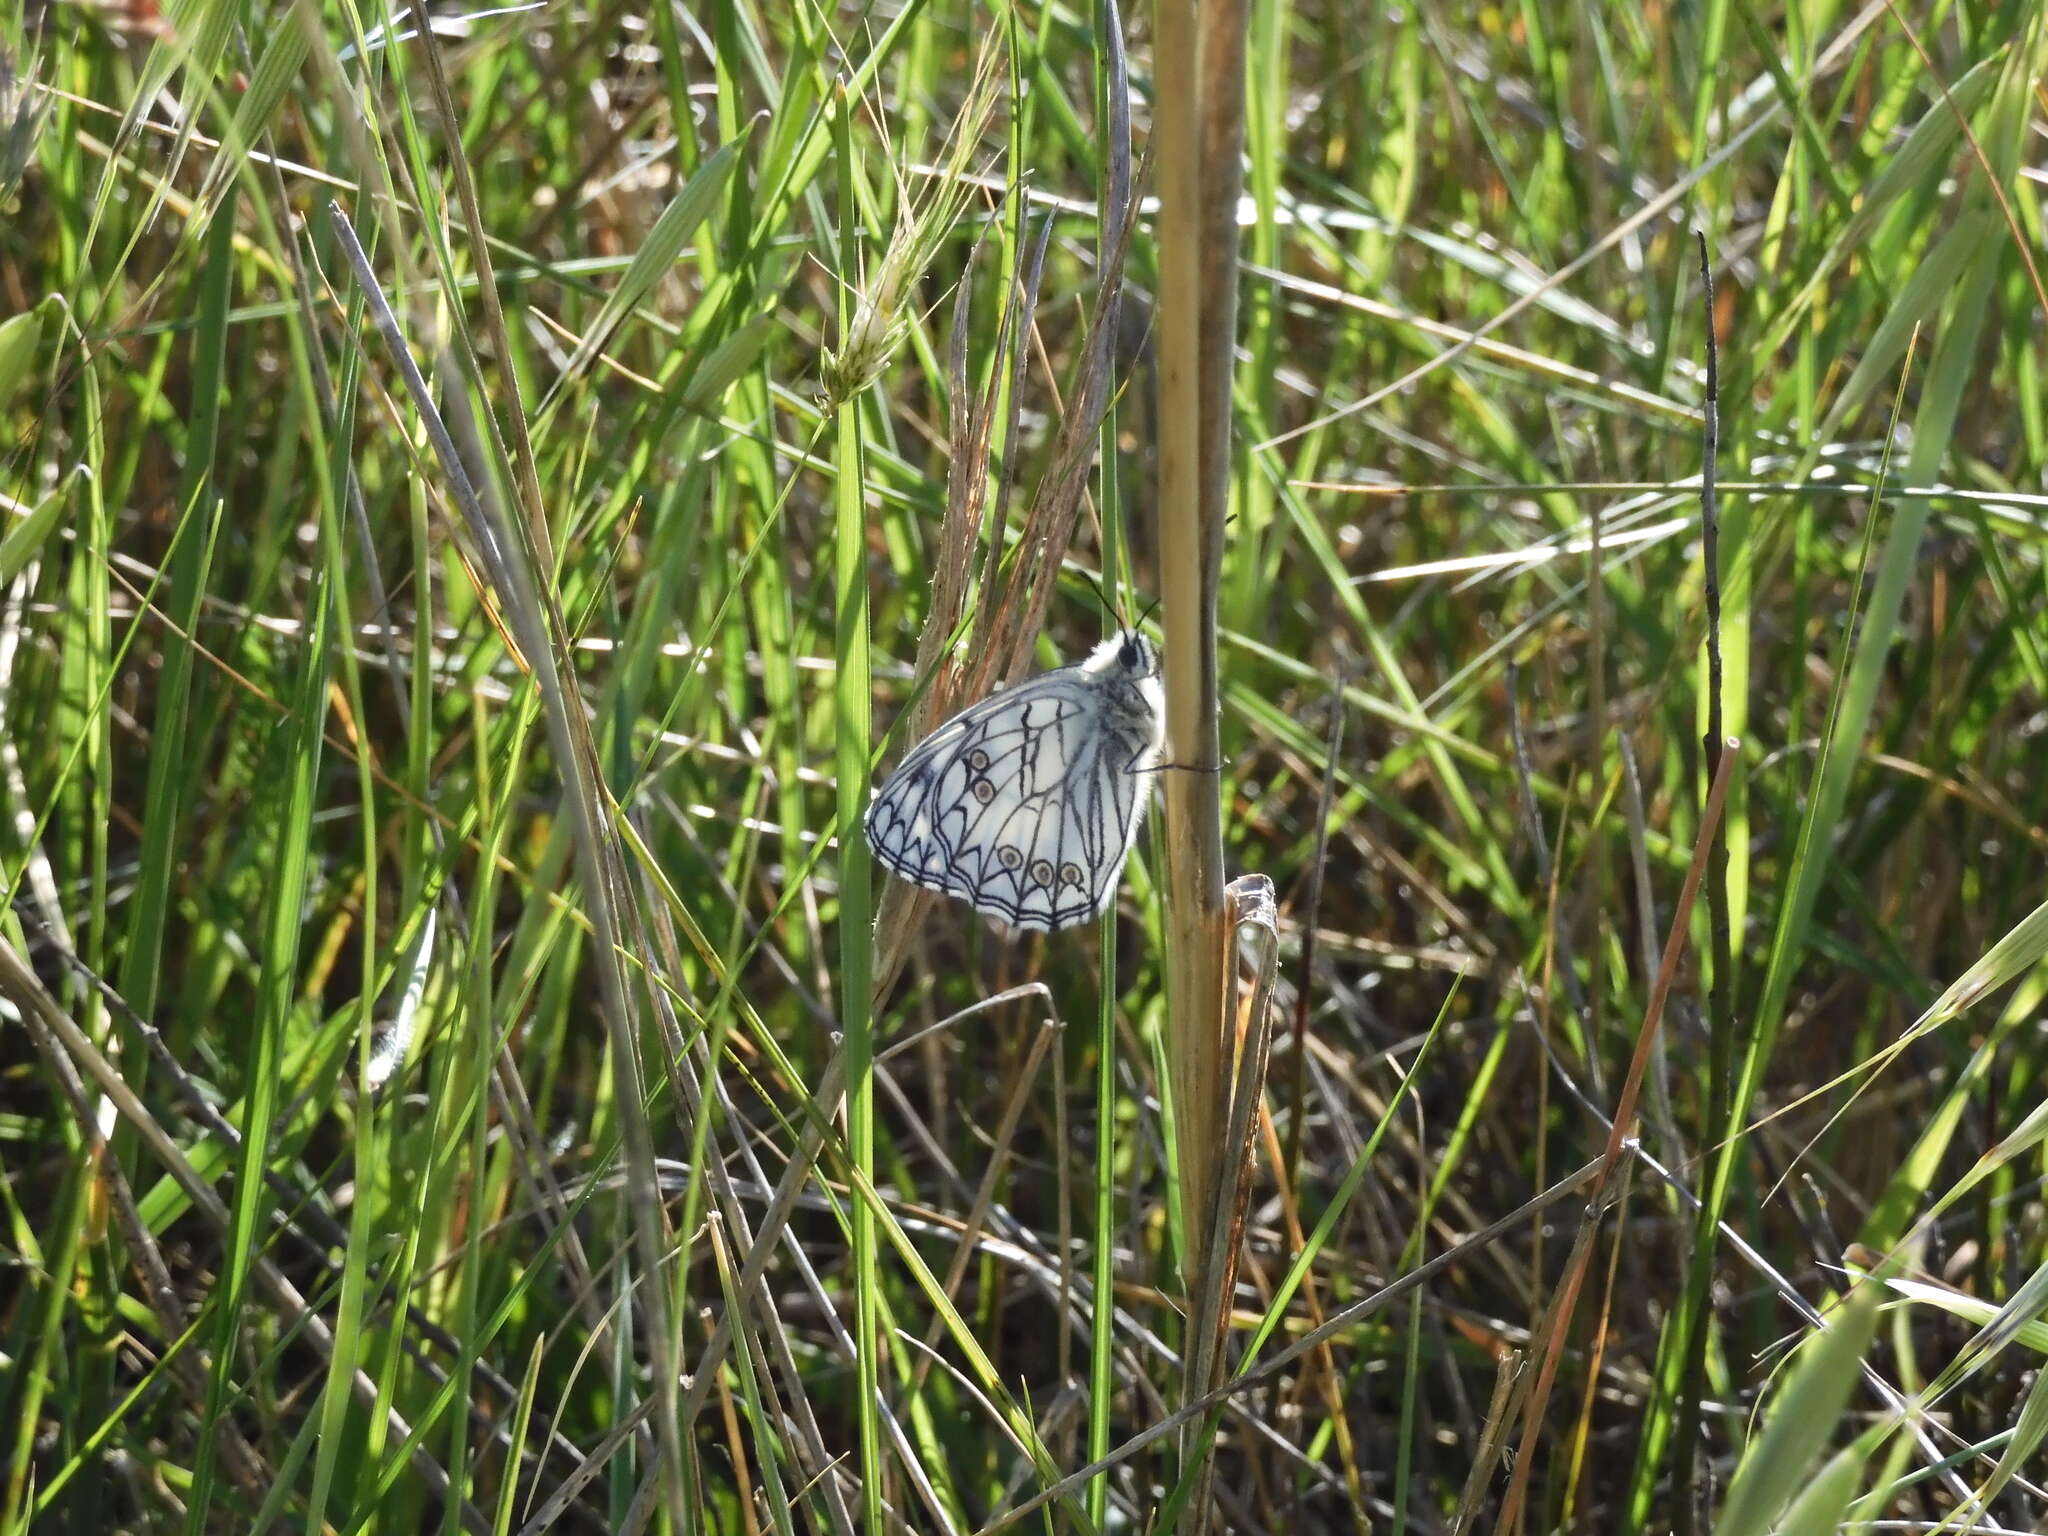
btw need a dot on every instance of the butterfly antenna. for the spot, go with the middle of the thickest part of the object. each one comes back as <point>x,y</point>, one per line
<point>1102,596</point>
<point>1151,608</point>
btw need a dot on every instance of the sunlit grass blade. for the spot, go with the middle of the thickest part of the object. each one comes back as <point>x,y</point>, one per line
<point>1801,1419</point>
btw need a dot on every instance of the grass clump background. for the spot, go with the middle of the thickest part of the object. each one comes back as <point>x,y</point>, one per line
<point>458,1070</point>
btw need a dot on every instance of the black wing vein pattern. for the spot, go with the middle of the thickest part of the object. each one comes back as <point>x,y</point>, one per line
<point>1022,806</point>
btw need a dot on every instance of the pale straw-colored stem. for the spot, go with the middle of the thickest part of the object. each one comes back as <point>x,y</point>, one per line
<point>1197,132</point>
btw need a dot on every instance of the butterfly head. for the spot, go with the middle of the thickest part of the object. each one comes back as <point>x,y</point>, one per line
<point>1130,653</point>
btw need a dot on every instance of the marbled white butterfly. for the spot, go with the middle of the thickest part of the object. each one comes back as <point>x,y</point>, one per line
<point>1026,804</point>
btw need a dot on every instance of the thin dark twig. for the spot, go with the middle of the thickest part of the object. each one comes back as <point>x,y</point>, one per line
<point>1710,515</point>
<point>1720,1026</point>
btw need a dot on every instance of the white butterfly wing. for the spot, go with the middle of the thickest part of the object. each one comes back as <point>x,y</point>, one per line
<point>1025,805</point>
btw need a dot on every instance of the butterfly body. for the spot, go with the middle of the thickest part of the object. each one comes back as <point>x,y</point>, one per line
<point>1026,804</point>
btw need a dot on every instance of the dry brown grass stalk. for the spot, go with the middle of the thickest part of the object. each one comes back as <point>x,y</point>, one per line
<point>1195,342</point>
<point>1011,612</point>
<point>1556,1325</point>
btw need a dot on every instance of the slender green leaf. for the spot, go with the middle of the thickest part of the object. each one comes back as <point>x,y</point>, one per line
<point>1802,1418</point>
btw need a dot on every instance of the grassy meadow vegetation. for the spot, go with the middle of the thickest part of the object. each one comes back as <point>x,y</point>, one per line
<point>488,489</point>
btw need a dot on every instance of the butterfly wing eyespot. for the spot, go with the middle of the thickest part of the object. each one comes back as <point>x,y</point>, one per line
<point>1027,804</point>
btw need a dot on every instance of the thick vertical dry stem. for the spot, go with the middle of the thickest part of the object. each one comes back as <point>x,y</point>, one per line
<point>1221,28</point>
<point>1194,866</point>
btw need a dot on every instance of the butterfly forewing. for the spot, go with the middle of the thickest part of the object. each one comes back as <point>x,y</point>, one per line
<point>1026,804</point>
